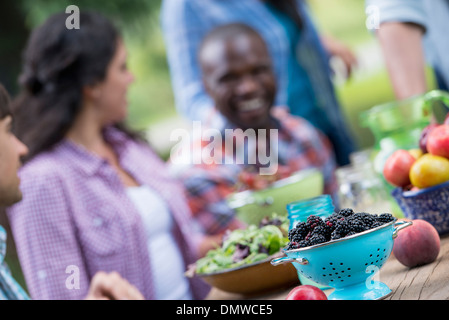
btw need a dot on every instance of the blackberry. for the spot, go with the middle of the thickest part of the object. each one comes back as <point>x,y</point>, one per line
<point>342,227</point>
<point>336,235</point>
<point>346,212</point>
<point>356,224</point>
<point>316,239</point>
<point>376,224</point>
<point>366,218</point>
<point>322,230</point>
<point>292,245</point>
<point>314,221</point>
<point>299,232</point>
<point>303,243</point>
<point>385,217</point>
<point>331,221</point>
<point>351,233</point>
<point>338,225</point>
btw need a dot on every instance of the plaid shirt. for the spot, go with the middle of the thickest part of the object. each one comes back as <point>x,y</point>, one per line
<point>300,146</point>
<point>9,288</point>
<point>186,22</point>
<point>76,216</point>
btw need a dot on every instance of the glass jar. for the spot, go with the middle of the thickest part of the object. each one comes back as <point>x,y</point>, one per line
<point>299,211</point>
<point>320,206</point>
<point>361,189</point>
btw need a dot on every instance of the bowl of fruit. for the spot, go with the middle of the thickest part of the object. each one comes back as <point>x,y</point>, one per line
<point>242,265</point>
<point>344,251</point>
<point>421,177</point>
<point>258,196</point>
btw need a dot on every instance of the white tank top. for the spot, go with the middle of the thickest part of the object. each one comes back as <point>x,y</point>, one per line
<point>166,260</point>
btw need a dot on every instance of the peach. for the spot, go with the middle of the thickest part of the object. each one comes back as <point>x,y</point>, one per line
<point>417,245</point>
<point>438,141</point>
<point>397,168</point>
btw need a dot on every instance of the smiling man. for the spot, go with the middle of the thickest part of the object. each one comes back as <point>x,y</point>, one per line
<point>103,285</point>
<point>238,75</point>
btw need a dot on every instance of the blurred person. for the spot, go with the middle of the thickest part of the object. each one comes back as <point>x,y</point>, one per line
<point>103,285</point>
<point>409,32</point>
<point>300,60</point>
<point>237,73</point>
<point>95,195</point>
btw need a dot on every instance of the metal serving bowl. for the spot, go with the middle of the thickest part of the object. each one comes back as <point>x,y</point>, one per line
<point>348,264</point>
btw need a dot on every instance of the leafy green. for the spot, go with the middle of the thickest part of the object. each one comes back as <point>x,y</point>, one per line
<point>245,246</point>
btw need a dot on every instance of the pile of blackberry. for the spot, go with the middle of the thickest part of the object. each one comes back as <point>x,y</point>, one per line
<point>338,225</point>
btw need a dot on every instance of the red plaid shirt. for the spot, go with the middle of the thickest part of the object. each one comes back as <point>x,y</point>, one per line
<point>300,146</point>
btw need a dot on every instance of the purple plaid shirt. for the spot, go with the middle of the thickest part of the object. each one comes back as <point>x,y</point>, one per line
<point>75,219</point>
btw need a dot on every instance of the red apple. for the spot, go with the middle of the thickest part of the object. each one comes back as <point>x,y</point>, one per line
<point>417,245</point>
<point>425,135</point>
<point>306,292</point>
<point>438,141</point>
<point>397,168</point>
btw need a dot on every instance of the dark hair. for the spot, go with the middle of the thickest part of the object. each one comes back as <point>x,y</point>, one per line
<point>289,7</point>
<point>58,63</point>
<point>5,109</point>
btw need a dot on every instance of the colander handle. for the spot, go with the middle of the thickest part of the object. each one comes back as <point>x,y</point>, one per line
<point>278,261</point>
<point>399,226</point>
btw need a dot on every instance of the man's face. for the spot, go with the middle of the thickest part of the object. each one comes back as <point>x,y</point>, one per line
<point>238,76</point>
<point>11,149</point>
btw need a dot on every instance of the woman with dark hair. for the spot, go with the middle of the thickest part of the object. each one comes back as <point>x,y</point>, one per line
<point>300,57</point>
<point>95,196</point>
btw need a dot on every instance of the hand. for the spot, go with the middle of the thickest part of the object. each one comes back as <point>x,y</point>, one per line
<point>111,286</point>
<point>338,49</point>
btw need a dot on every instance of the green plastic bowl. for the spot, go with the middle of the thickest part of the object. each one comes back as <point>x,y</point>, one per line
<point>252,206</point>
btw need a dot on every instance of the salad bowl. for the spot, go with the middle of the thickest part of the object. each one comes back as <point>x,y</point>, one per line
<point>242,263</point>
<point>254,279</point>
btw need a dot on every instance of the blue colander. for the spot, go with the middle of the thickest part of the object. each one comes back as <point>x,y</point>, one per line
<point>349,264</point>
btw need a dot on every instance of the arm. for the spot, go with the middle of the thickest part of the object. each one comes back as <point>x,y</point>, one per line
<point>183,30</point>
<point>46,242</point>
<point>402,25</point>
<point>404,57</point>
<point>341,51</point>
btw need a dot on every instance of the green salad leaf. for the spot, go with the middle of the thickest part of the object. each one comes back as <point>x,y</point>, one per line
<point>245,246</point>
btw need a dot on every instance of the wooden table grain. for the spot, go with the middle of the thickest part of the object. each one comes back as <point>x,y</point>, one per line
<point>428,282</point>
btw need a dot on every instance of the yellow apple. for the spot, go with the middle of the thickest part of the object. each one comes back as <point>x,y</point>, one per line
<point>429,170</point>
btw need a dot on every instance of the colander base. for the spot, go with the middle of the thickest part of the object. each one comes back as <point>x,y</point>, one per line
<point>376,290</point>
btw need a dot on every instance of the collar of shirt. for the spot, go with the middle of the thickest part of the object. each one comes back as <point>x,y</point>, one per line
<point>87,161</point>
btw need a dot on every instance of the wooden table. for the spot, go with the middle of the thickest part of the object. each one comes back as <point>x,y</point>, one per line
<point>428,282</point>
